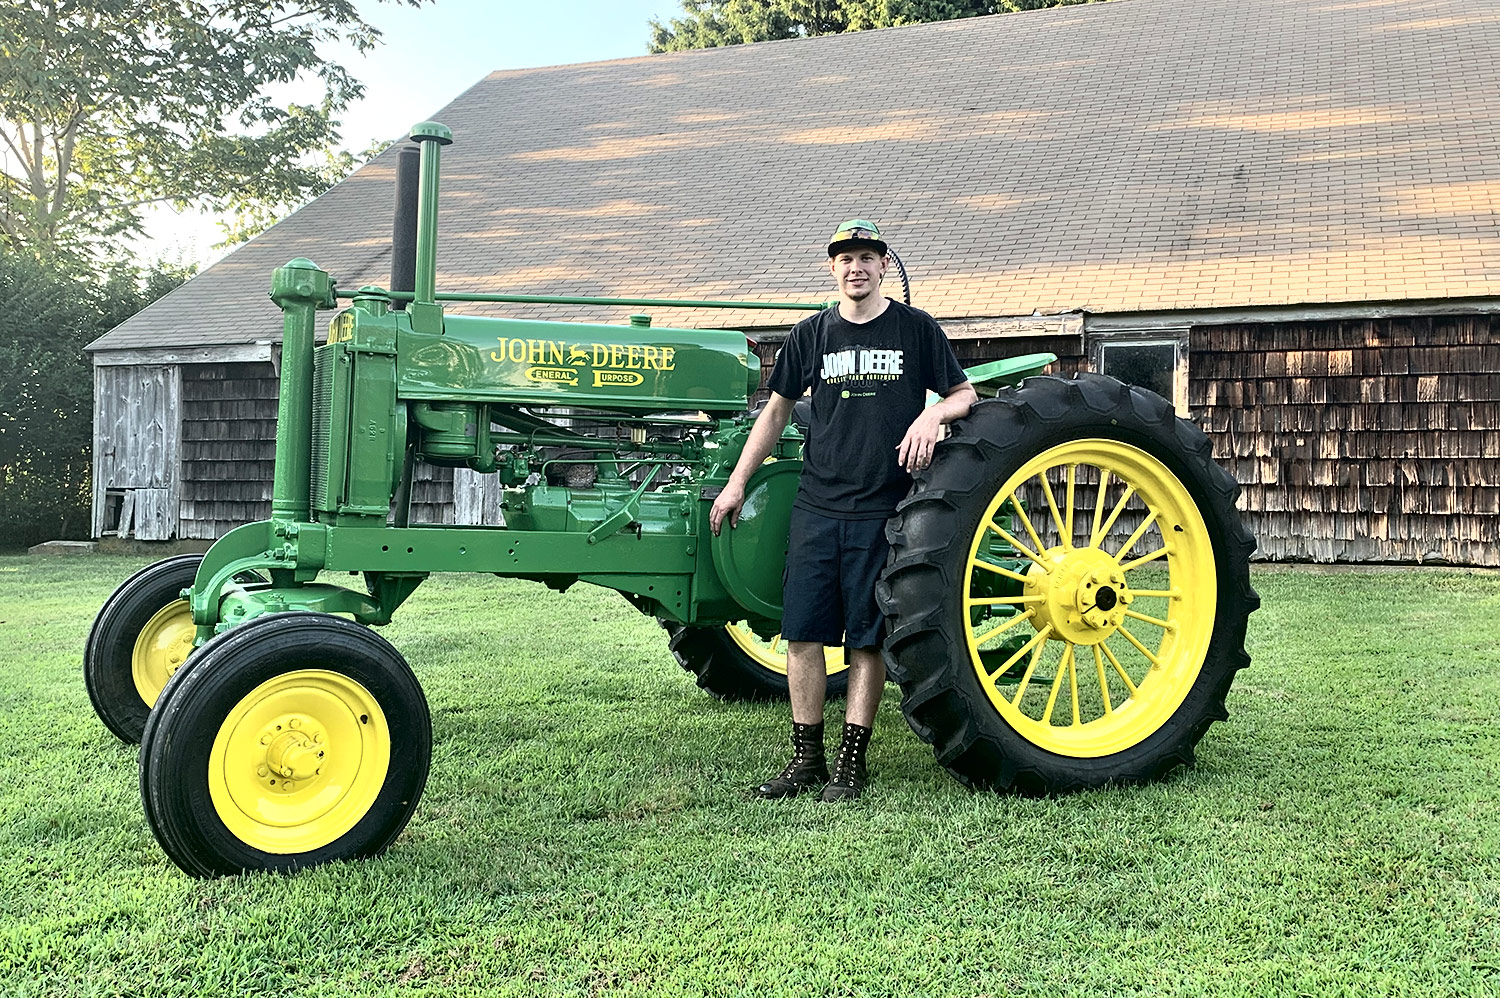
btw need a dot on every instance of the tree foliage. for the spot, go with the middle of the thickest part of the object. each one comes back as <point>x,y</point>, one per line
<point>711,23</point>
<point>47,317</point>
<point>107,106</point>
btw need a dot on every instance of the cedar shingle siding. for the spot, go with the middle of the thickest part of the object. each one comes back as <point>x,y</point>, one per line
<point>1372,440</point>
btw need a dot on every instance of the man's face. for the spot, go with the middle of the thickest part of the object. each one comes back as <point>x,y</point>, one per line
<point>858,272</point>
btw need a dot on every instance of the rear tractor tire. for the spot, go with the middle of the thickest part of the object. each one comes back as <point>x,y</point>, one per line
<point>140,637</point>
<point>293,740</point>
<point>1068,589</point>
<point>733,663</point>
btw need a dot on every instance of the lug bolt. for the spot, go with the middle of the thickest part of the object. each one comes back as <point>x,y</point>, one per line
<point>263,771</point>
<point>296,722</point>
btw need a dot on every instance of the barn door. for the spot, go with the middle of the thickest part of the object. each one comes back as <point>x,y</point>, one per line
<point>136,473</point>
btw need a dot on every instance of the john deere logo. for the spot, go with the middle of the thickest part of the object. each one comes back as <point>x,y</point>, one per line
<point>557,362</point>
<point>844,393</point>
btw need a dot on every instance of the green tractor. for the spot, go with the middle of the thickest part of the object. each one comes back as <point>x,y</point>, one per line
<point>1066,596</point>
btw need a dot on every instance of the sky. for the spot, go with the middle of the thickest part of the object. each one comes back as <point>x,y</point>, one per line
<point>430,55</point>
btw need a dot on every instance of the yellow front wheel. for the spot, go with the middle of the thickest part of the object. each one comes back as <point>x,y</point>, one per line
<point>1071,590</point>
<point>140,636</point>
<point>734,663</point>
<point>293,740</point>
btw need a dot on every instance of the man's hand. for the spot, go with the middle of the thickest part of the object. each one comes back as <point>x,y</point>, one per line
<point>727,504</point>
<point>915,450</point>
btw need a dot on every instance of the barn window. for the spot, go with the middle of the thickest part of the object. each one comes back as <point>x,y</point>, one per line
<point>1157,362</point>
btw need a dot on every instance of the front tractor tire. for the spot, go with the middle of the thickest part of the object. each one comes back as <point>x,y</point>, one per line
<point>293,740</point>
<point>141,635</point>
<point>1068,590</point>
<point>733,663</point>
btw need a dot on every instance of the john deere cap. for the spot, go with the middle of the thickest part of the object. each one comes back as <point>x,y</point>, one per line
<point>854,233</point>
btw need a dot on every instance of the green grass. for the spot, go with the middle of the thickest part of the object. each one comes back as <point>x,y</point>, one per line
<point>585,830</point>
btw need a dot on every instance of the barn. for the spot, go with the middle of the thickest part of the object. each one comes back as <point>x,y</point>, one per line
<point>1284,216</point>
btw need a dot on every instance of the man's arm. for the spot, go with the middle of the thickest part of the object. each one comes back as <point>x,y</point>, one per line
<point>915,450</point>
<point>763,436</point>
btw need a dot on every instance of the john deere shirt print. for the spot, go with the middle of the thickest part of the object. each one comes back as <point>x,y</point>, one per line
<point>869,381</point>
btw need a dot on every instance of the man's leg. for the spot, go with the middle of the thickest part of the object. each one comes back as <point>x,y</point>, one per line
<point>864,552</point>
<point>814,617</point>
<point>807,676</point>
<point>807,679</point>
<point>866,684</point>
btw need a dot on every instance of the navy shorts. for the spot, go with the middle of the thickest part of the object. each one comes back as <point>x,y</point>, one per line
<point>829,587</point>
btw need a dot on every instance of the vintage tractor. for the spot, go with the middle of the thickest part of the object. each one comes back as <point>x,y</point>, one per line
<point>1066,596</point>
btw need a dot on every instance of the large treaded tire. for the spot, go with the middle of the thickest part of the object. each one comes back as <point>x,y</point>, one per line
<point>924,587</point>
<point>108,653</point>
<point>212,747</point>
<point>726,670</point>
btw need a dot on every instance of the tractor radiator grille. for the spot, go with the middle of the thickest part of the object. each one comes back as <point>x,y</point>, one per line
<point>322,408</point>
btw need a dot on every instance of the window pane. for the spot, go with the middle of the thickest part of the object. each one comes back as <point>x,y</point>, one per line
<point>1149,365</point>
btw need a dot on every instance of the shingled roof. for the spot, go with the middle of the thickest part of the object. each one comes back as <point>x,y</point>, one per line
<point>1133,155</point>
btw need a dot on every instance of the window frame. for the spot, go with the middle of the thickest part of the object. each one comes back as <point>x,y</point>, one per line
<point>1175,337</point>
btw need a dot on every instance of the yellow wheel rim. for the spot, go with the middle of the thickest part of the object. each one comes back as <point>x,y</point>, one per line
<point>771,654</point>
<point>161,648</point>
<point>298,761</point>
<point>1117,585</point>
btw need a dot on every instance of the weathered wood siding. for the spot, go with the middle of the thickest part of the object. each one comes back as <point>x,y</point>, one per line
<point>1359,441</point>
<point>1069,350</point>
<point>136,450</point>
<point>476,498</point>
<point>228,446</point>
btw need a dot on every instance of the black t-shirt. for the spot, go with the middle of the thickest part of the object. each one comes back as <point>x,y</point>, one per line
<point>869,381</point>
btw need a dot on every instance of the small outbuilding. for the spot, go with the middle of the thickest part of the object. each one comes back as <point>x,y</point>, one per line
<point>1284,216</point>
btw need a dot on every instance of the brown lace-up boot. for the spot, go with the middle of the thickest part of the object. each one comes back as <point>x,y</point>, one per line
<point>849,775</point>
<point>807,771</point>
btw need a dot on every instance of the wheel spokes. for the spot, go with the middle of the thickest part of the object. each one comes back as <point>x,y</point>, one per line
<point>1124,526</point>
<point>1012,622</point>
<point>1125,676</point>
<point>1000,570</point>
<point>1022,548</point>
<point>1138,562</point>
<point>1103,682</point>
<point>1072,481</point>
<point>1101,532</point>
<point>1037,643</point>
<point>1057,520</point>
<point>1135,537</point>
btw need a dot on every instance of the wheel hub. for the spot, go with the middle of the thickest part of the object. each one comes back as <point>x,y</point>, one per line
<point>1084,592</point>
<point>295,751</point>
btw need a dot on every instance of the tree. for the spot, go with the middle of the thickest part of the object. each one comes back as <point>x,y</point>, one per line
<point>47,317</point>
<point>711,23</point>
<point>107,106</point>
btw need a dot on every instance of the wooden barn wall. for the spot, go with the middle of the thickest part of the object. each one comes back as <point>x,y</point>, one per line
<point>229,452</point>
<point>136,450</point>
<point>1358,441</point>
<point>432,494</point>
<point>228,446</point>
<point>1069,350</point>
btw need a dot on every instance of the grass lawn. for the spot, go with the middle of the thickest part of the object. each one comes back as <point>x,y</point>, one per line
<point>586,829</point>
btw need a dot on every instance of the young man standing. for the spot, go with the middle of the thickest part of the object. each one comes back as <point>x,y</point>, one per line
<point>869,363</point>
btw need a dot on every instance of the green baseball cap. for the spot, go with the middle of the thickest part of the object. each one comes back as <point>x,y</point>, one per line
<point>854,233</point>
